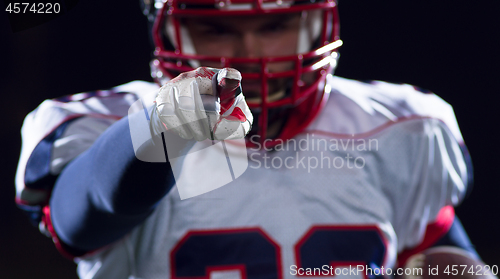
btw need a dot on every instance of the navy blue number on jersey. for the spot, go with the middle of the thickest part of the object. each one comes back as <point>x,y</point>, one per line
<point>251,251</point>
<point>338,246</point>
<point>256,256</point>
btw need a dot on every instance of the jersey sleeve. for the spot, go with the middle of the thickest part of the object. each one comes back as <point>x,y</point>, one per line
<point>52,137</point>
<point>59,130</point>
<point>437,181</point>
<point>421,160</point>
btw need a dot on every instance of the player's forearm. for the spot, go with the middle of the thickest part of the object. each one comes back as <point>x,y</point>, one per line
<point>106,191</point>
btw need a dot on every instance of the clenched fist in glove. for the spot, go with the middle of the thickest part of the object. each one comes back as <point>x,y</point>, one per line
<point>205,103</point>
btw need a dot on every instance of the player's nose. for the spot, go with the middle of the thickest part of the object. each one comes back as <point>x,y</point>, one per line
<point>249,46</point>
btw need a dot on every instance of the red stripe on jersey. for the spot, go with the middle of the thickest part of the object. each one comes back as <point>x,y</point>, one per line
<point>48,223</point>
<point>433,233</point>
<point>47,220</point>
<point>379,128</point>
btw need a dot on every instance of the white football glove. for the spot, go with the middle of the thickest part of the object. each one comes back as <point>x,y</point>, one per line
<point>205,103</point>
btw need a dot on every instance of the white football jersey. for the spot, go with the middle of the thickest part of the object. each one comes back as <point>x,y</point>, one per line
<point>370,179</point>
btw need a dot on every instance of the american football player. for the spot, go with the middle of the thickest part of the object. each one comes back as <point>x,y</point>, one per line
<point>248,158</point>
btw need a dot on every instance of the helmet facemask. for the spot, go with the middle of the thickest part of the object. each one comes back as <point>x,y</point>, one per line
<point>284,90</point>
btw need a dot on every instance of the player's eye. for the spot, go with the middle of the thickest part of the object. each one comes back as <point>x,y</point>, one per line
<point>217,32</point>
<point>277,27</point>
<point>274,28</point>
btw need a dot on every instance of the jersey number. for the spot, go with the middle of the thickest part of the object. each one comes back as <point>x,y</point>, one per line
<point>252,254</point>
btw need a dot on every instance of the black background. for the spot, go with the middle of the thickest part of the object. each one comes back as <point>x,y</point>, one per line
<point>449,47</point>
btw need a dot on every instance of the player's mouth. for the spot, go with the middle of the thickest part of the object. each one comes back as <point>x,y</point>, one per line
<point>252,91</point>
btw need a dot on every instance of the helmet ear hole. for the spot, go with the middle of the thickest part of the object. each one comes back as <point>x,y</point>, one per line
<point>185,43</point>
<point>310,30</point>
<point>169,45</point>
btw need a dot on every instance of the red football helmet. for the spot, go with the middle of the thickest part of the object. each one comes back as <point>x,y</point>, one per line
<point>302,91</point>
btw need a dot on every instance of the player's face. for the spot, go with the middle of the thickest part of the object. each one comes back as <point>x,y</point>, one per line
<point>248,37</point>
